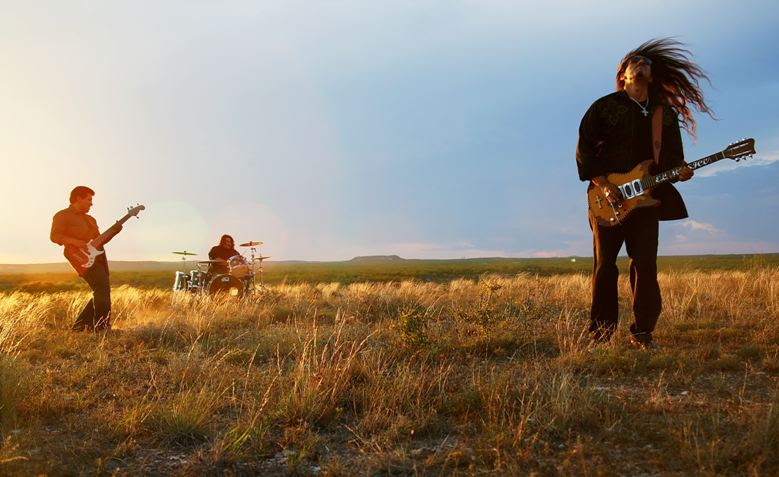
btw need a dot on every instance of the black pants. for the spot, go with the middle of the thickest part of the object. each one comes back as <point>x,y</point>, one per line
<point>639,233</point>
<point>96,315</point>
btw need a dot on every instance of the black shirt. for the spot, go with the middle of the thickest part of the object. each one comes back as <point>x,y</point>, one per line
<point>219,252</point>
<point>615,137</point>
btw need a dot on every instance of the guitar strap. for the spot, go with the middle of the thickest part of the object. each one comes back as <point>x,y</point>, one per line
<point>657,133</point>
<point>671,203</point>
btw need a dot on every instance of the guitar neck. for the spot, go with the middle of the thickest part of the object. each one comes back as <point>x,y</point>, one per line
<point>111,231</point>
<point>672,174</point>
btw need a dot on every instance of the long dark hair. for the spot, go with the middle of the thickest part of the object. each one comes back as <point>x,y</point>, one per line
<point>675,78</point>
<point>225,236</point>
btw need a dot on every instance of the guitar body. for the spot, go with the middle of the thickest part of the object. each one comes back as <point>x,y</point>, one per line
<point>633,193</point>
<point>82,260</point>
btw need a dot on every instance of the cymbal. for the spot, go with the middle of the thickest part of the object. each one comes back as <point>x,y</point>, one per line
<point>261,258</point>
<point>184,253</point>
<point>212,261</point>
<point>251,244</point>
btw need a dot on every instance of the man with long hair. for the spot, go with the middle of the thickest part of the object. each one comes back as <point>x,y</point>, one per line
<point>221,254</point>
<point>657,83</point>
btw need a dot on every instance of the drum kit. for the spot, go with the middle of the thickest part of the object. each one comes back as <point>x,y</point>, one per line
<point>238,281</point>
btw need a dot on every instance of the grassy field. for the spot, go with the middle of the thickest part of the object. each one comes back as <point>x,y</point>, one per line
<point>474,376</point>
<point>159,275</point>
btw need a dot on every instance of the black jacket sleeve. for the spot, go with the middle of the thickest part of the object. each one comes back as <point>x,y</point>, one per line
<point>588,146</point>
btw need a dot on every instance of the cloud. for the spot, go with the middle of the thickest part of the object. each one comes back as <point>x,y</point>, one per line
<point>726,245</point>
<point>691,237</point>
<point>696,226</point>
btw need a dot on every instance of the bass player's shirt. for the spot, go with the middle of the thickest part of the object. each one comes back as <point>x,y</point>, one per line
<point>72,223</point>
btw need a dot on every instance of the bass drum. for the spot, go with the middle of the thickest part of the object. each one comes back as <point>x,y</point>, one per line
<point>225,285</point>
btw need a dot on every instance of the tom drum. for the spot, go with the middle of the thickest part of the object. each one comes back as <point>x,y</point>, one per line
<point>238,266</point>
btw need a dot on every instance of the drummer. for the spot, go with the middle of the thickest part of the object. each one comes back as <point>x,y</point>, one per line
<point>222,253</point>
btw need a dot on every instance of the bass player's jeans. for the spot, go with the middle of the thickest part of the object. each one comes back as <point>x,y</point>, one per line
<point>96,315</point>
<point>639,233</point>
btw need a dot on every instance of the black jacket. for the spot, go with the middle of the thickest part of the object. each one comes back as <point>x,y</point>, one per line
<point>607,144</point>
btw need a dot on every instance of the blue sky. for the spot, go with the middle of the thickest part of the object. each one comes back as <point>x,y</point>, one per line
<point>330,129</point>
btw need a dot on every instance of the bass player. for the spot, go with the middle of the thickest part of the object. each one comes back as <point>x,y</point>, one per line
<point>74,227</point>
<point>657,83</point>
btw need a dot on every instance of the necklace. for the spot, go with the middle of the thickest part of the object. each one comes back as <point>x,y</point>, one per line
<point>644,109</point>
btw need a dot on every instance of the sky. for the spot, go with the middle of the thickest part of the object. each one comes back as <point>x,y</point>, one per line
<point>336,128</point>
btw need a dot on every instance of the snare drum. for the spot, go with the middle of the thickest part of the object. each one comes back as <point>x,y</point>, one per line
<point>238,266</point>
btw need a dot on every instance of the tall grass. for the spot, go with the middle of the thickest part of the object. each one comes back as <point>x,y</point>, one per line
<point>471,376</point>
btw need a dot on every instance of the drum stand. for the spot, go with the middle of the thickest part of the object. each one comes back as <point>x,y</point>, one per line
<point>256,259</point>
<point>184,254</point>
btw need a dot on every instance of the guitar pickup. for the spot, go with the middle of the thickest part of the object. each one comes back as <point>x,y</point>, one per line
<point>631,189</point>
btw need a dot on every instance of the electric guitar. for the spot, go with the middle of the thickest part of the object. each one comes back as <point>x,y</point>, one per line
<point>82,259</point>
<point>635,186</point>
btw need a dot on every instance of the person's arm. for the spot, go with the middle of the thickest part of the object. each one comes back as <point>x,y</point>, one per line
<point>59,235</point>
<point>587,161</point>
<point>588,145</point>
<point>214,254</point>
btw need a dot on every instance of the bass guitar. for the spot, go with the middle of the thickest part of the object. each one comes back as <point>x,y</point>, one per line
<point>635,186</point>
<point>82,259</point>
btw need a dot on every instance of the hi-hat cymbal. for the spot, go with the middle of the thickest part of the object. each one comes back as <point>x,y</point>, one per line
<point>261,258</point>
<point>251,244</point>
<point>184,253</point>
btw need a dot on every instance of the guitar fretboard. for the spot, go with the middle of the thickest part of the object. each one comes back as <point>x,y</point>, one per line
<point>672,174</point>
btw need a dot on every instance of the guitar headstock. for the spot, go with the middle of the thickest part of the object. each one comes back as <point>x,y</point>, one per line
<point>743,149</point>
<point>134,211</point>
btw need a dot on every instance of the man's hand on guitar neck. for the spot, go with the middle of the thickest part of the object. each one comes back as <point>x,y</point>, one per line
<point>609,190</point>
<point>685,173</point>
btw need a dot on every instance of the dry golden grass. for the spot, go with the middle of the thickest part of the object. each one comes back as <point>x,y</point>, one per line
<point>492,376</point>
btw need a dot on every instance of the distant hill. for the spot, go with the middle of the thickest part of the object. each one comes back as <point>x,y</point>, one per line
<point>377,259</point>
<point>387,266</point>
